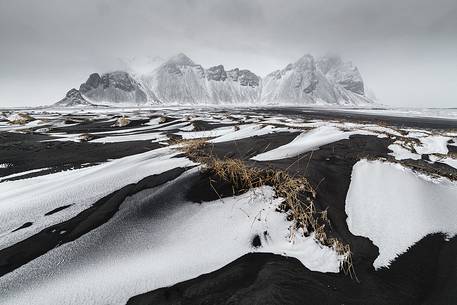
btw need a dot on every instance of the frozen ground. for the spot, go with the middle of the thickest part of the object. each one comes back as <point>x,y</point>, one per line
<point>95,213</point>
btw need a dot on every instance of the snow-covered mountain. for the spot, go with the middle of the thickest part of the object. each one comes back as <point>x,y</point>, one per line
<point>111,88</point>
<point>179,80</point>
<point>73,98</point>
<point>326,80</point>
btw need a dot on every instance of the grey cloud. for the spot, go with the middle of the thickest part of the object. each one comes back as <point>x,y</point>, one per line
<point>404,49</point>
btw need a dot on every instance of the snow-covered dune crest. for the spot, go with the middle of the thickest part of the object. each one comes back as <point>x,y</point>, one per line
<point>396,207</point>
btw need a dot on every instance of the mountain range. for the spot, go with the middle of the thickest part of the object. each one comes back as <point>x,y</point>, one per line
<point>179,80</point>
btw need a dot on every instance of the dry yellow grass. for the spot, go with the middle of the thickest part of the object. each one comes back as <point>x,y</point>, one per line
<point>86,137</point>
<point>121,122</point>
<point>22,119</point>
<point>297,192</point>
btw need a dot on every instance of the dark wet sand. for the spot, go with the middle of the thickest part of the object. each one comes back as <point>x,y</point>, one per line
<point>426,274</point>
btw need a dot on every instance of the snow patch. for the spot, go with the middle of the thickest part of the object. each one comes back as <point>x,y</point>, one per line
<point>247,131</point>
<point>433,145</point>
<point>143,252</point>
<point>396,207</point>
<point>4,165</point>
<point>402,153</point>
<point>217,132</point>
<point>29,199</point>
<point>305,142</point>
<point>155,137</point>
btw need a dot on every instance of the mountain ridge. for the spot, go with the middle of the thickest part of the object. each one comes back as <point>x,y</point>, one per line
<point>179,80</point>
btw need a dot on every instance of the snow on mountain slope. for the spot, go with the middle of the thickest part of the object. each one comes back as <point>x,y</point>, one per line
<point>341,73</point>
<point>115,87</point>
<point>73,98</point>
<point>326,80</point>
<point>179,80</point>
<point>110,88</point>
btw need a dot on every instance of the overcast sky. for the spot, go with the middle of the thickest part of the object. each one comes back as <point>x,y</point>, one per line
<point>406,50</point>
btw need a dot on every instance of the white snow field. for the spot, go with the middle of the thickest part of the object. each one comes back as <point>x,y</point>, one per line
<point>27,200</point>
<point>305,142</point>
<point>138,251</point>
<point>217,132</point>
<point>247,131</point>
<point>402,153</point>
<point>433,144</point>
<point>396,207</point>
<point>154,137</point>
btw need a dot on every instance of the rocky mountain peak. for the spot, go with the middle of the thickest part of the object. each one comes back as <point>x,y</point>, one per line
<point>309,80</point>
<point>328,62</point>
<point>73,98</point>
<point>216,73</point>
<point>342,73</point>
<point>244,77</point>
<point>180,60</point>
<point>305,62</point>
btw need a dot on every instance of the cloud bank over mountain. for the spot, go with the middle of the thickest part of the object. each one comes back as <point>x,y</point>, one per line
<point>406,49</point>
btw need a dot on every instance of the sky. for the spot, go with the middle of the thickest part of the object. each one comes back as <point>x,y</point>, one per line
<point>406,50</point>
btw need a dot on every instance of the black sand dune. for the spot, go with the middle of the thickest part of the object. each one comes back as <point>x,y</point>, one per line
<point>100,212</point>
<point>25,152</point>
<point>329,171</point>
<point>426,274</point>
<point>262,278</point>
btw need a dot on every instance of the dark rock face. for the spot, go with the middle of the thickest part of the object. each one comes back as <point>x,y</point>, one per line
<point>73,98</point>
<point>245,77</point>
<point>341,73</point>
<point>73,93</point>
<point>354,86</point>
<point>216,73</point>
<point>92,82</point>
<point>119,80</point>
<point>116,86</point>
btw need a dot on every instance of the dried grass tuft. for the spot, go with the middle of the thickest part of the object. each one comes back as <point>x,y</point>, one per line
<point>22,118</point>
<point>297,192</point>
<point>121,122</point>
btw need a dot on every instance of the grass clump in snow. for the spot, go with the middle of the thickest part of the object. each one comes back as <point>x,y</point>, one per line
<point>20,118</point>
<point>297,192</point>
<point>86,137</point>
<point>121,122</point>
